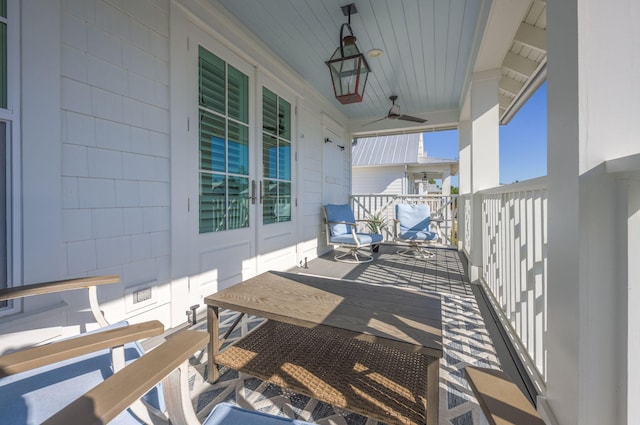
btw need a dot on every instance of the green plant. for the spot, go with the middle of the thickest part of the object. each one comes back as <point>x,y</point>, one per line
<point>376,223</point>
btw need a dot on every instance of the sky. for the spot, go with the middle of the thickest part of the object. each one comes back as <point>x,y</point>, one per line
<point>523,142</point>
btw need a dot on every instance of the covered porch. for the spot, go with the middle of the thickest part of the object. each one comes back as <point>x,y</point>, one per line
<point>186,146</point>
<point>471,336</point>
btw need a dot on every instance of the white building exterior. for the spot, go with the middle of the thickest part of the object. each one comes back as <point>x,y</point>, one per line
<point>397,165</point>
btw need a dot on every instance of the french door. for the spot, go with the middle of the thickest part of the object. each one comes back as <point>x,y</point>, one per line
<point>233,174</point>
<point>277,201</point>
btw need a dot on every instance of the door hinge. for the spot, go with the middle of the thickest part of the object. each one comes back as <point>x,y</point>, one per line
<point>296,155</point>
<point>188,124</point>
<point>188,204</point>
<point>296,202</point>
<point>187,43</point>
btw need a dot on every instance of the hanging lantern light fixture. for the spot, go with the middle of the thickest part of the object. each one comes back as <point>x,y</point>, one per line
<point>348,66</point>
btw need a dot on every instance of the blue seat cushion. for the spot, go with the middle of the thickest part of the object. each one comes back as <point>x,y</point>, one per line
<point>416,218</point>
<point>339,213</point>
<point>363,239</point>
<point>412,235</point>
<point>33,396</point>
<point>228,414</point>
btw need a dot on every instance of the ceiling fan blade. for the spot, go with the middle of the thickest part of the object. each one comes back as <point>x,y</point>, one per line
<point>410,118</point>
<point>379,119</point>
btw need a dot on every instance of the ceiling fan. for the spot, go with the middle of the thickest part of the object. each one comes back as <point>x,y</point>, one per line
<point>394,114</point>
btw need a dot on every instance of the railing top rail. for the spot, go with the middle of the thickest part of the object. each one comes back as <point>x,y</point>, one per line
<point>539,183</point>
<point>382,195</point>
<point>625,164</point>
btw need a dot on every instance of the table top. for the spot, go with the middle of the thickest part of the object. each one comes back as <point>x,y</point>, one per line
<point>408,320</point>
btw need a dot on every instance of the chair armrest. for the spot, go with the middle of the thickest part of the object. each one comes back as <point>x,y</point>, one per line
<point>89,283</point>
<point>56,286</point>
<point>57,351</point>
<point>105,401</point>
<point>342,222</point>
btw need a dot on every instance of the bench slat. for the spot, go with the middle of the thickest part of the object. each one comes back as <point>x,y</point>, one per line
<point>501,400</point>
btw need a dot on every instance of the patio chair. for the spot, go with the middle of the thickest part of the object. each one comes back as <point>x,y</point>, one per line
<point>413,226</point>
<point>166,364</point>
<point>37,382</point>
<point>342,231</point>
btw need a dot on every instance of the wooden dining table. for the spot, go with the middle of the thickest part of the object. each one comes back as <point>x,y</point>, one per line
<point>381,319</point>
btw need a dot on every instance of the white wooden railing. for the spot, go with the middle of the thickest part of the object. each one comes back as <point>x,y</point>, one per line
<point>514,263</point>
<point>383,207</point>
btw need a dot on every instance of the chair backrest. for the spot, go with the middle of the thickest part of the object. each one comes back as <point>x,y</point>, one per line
<point>339,213</point>
<point>413,217</point>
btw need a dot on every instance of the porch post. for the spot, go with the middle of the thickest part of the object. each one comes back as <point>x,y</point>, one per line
<point>592,270</point>
<point>446,183</point>
<point>485,116</point>
<point>464,179</point>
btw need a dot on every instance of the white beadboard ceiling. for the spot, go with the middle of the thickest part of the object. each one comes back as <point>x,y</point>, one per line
<point>429,47</point>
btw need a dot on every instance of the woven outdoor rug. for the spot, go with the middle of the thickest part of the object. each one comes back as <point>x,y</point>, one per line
<point>466,342</point>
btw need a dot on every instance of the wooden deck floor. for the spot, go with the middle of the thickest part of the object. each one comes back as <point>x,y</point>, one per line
<point>444,273</point>
<point>471,336</point>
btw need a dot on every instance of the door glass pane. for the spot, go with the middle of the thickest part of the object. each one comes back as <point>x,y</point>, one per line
<point>212,142</point>
<point>284,119</point>
<point>283,210</point>
<point>270,156</point>
<point>238,95</point>
<point>269,211</point>
<point>238,148</point>
<point>238,212</point>
<point>224,145</point>
<point>269,111</point>
<point>276,158</point>
<point>212,202</point>
<point>284,160</point>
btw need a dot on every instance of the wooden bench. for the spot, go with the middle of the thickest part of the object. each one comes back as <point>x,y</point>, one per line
<point>500,399</point>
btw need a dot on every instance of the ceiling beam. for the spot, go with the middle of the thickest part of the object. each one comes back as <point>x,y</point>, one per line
<point>504,101</point>
<point>510,85</point>
<point>503,22</point>
<point>520,64</point>
<point>532,36</point>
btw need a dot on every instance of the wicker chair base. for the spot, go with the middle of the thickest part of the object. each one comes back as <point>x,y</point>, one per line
<point>375,380</point>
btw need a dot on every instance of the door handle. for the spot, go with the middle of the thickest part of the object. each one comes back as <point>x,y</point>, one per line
<point>253,191</point>
<point>261,196</point>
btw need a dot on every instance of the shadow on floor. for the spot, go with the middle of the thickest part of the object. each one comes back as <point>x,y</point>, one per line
<point>465,338</point>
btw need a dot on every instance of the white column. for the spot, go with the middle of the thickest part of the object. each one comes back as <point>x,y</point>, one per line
<point>632,375</point>
<point>464,160</point>
<point>446,183</point>
<point>485,116</point>
<point>464,178</point>
<point>592,118</point>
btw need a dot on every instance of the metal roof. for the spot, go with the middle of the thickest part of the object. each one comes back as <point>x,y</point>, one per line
<point>387,150</point>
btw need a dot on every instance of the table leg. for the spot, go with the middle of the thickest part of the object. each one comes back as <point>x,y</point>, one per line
<point>213,327</point>
<point>433,390</point>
